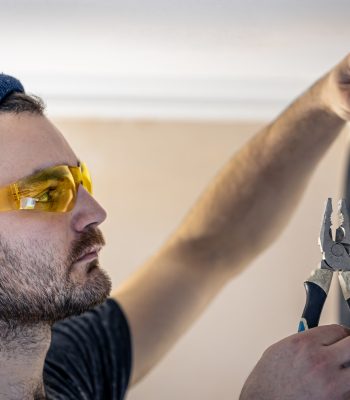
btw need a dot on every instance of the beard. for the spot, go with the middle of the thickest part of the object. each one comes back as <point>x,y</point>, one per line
<point>38,284</point>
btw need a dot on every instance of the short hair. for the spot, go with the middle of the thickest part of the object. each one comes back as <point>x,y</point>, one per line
<point>17,102</point>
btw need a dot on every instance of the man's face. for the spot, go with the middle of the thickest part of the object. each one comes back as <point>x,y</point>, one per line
<point>41,278</point>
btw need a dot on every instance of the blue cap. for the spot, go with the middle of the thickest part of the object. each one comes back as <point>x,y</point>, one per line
<point>9,84</point>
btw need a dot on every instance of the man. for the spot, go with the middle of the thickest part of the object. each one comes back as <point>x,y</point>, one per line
<point>49,244</point>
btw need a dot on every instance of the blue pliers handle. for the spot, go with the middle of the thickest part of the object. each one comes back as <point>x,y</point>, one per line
<point>335,258</point>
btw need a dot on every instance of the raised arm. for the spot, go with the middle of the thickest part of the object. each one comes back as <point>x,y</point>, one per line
<point>259,187</point>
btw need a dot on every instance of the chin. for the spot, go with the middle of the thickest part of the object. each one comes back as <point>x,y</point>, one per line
<point>89,291</point>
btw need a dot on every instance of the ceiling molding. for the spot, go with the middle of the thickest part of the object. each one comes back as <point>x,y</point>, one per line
<point>164,98</point>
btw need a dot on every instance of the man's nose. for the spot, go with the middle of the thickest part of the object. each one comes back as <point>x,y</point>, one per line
<point>87,211</point>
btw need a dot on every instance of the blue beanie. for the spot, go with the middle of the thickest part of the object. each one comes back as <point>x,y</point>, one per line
<point>9,84</point>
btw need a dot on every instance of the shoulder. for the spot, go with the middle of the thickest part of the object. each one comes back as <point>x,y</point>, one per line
<point>91,352</point>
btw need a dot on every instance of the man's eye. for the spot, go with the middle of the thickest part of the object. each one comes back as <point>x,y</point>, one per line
<point>45,196</point>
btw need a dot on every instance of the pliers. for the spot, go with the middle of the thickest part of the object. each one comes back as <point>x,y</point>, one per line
<point>335,257</point>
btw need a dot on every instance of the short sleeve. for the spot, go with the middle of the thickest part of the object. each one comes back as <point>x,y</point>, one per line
<point>90,356</point>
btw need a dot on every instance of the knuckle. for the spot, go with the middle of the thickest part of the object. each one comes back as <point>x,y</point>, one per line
<point>302,342</point>
<point>299,339</point>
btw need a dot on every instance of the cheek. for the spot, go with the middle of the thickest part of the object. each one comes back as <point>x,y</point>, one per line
<point>26,226</point>
<point>31,267</point>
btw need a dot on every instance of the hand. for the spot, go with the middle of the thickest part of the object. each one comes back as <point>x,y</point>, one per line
<point>336,89</point>
<point>304,366</point>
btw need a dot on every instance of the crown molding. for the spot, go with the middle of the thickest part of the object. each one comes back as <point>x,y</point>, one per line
<point>177,98</point>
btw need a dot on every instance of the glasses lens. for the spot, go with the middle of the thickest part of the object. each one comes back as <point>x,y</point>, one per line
<point>53,189</point>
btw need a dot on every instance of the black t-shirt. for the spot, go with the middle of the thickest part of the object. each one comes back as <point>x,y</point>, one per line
<point>90,356</point>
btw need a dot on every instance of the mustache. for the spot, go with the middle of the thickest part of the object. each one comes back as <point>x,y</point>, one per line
<point>89,238</point>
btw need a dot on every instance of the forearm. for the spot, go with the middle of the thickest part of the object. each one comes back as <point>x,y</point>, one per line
<point>253,197</point>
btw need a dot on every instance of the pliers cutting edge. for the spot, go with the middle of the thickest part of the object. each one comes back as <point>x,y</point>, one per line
<point>335,257</point>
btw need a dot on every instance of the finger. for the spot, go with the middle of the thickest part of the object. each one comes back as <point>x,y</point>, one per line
<point>340,351</point>
<point>327,335</point>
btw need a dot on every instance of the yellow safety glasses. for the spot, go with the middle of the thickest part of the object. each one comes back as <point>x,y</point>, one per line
<point>52,189</point>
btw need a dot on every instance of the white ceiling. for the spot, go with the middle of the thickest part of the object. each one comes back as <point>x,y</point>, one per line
<point>159,58</point>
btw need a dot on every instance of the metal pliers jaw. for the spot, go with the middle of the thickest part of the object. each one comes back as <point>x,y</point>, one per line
<point>335,257</point>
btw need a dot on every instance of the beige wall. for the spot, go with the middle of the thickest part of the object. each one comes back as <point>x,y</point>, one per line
<point>147,174</point>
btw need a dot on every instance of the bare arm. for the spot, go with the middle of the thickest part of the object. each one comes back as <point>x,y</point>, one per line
<point>253,197</point>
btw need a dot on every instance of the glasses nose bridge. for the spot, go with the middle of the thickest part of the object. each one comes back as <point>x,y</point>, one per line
<point>82,177</point>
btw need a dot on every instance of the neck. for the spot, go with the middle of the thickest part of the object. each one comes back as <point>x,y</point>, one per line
<point>22,355</point>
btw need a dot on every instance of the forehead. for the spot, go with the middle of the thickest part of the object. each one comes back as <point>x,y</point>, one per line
<point>28,143</point>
